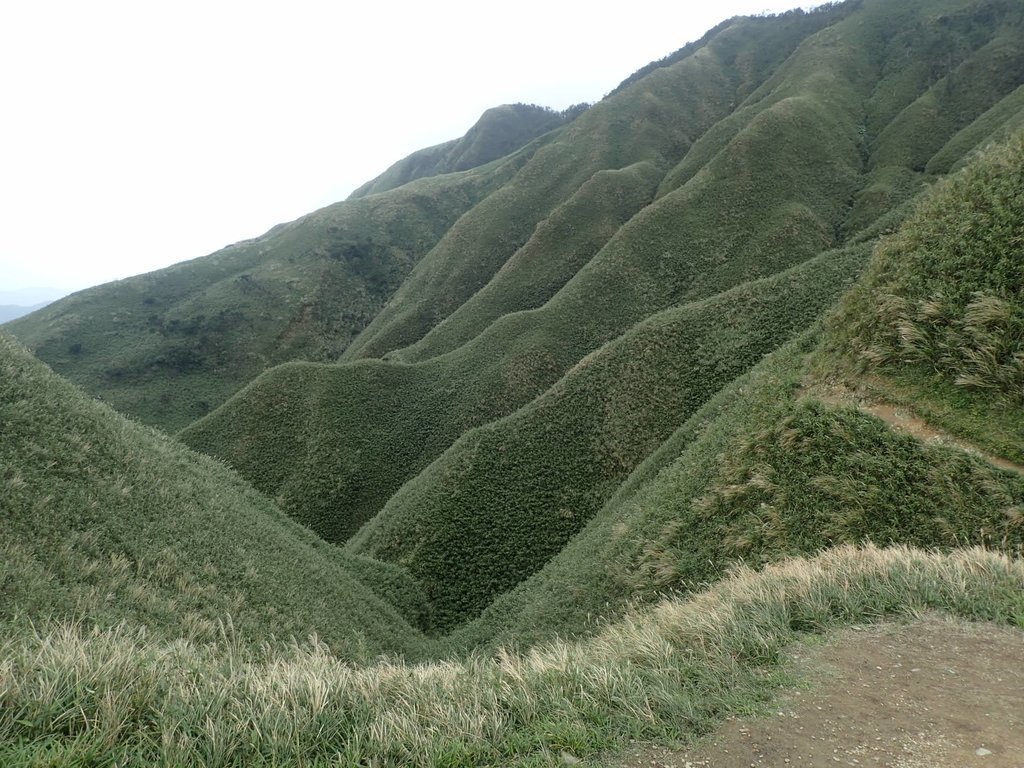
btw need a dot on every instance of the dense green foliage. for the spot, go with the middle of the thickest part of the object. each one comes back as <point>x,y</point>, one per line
<point>105,520</point>
<point>946,294</point>
<point>490,407</point>
<point>784,177</point>
<point>500,131</point>
<point>759,475</point>
<point>168,346</point>
<point>507,497</point>
<point>940,308</point>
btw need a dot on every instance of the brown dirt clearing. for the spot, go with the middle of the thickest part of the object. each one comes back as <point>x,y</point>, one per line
<point>933,692</point>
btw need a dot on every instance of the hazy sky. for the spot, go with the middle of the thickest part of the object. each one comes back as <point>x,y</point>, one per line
<point>137,134</point>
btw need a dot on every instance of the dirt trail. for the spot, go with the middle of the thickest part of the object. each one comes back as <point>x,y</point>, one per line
<point>934,692</point>
<point>903,420</point>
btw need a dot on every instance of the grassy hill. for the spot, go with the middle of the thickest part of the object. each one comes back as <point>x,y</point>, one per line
<point>106,521</point>
<point>552,433</point>
<point>674,671</point>
<point>783,179</point>
<point>938,321</point>
<point>168,346</point>
<point>500,131</point>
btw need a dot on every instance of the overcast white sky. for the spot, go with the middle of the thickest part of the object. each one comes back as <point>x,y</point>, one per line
<point>140,133</point>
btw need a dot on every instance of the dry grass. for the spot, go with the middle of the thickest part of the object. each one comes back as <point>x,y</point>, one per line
<point>666,673</point>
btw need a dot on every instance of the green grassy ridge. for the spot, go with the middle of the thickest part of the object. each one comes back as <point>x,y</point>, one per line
<point>355,450</point>
<point>331,443</point>
<point>917,44</point>
<point>761,206</point>
<point>170,345</point>
<point>672,672</point>
<point>500,131</point>
<point>828,64</point>
<point>765,181</point>
<point>875,64</point>
<point>751,47</point>
<point>819,94</point>
<point>331,448</point>
<point>558,248</point>
<point>958,65</point>
<point>757,209</point>
<point>107,521</point>
<point>995,126</point>
<point>839,62</point>
<point>508,496</point>
<point>759,476</point>
<point>939,309</point>
<point>965,84</point>
<point>590,581</point>
<point>778,34</point>
<point>655,120</point>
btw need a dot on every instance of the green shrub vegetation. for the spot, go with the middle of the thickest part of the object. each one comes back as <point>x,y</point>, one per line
<point>169,346</point>
<point>728,484</point>
<point>940,308</point>
<point>523,451</point>
<point>508,496</point>
<point>500,131</point>
<point>105,520</point>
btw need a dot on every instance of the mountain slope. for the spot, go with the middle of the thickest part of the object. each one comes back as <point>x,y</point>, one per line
<point>168,346</point>
<point>599,405</point>
<point>655,120</point>
<point>105,521</point>
<point>761,473</point>
<point>500,131</point>
<point>780,180</point>
<point>938,321</point>
<point>775,147</point>
<point>507,497</point>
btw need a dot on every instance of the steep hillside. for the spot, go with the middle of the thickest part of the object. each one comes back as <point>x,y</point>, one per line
<point>105,521</point>
<point>845,91</point>
<point>838,104</point>
<point>786,176</point>
<point>655,121</point>
<point>499,132</point>
<point>938,321</point>
<point>508,496</point>
<point>761,473</point>
<point>756,474</point>
<point>168,346</point>
<point>560,428</point>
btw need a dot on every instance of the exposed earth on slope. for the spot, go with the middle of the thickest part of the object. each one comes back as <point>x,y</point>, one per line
<point>933,692</point>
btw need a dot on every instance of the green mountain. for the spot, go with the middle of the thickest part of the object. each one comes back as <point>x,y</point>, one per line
<point>760,305</point>
<point>499,132</point>
<point>167,346</point>
<point>106,519</point>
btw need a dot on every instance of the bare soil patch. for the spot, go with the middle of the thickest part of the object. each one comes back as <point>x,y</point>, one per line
<point>934,692</point>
